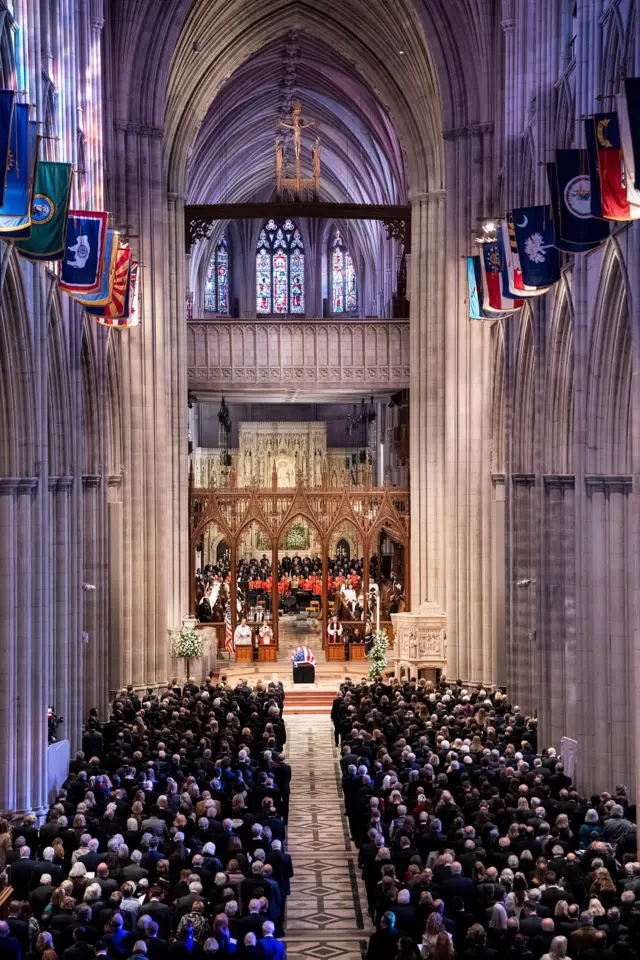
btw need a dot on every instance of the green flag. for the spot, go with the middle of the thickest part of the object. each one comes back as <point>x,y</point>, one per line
<point>48,213</point>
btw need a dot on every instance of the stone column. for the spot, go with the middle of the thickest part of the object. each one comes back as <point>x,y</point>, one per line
<point>9,659</point>
<point>427,414</point>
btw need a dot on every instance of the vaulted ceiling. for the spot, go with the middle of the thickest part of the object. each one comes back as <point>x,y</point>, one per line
<point>233,156</point>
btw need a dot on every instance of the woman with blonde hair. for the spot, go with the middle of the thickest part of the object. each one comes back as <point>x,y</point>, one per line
<point>435,927</point>
<point>443,949</point>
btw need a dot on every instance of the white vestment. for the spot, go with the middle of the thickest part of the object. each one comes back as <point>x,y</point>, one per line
<point>242,636</point>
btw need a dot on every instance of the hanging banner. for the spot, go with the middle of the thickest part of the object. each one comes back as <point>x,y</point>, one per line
<point>633,193</point>
<point>606,169</point>
<point>538,257</point>
<point>115,306</point>
<point>15,213</point>
<point>49,212</point>
<point>493,299</point>
<point>7,105</point>
<point>474,284</point>
<point>632,92</point>
<point>575,230</point>
<point>517,286</point>
<point>130,316</point>
<point>504,271</point>
<point>103,294</point>
<point>82,265</point>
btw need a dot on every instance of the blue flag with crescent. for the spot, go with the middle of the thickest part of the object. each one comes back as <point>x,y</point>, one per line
<point>539,261</point>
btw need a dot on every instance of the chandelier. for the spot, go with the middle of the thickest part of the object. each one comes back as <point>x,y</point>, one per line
<point>359,424</point>
<point>224,433</point>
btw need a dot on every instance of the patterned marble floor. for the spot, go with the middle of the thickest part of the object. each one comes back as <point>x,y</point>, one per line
<point>326,912</point>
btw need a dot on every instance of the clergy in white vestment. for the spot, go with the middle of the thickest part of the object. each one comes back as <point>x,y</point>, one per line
<point>242,635</point>
<point>334,630</point>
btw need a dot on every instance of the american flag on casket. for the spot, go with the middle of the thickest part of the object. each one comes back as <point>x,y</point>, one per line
<point>302,655</point>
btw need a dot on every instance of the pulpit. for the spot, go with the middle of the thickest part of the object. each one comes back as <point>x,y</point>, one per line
<point>334,651</point>
<point>267,654</point>
<point>356,651</point>
<point>244,653</point>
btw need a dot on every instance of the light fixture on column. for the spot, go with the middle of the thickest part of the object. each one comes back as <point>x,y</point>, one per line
<point>224,433</point>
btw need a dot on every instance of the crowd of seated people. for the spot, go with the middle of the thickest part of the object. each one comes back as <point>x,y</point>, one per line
<point>473,843</point>
<point>166,840</point>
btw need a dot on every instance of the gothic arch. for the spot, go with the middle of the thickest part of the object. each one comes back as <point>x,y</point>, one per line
<point>90,418</point>
<point>559,385</point>
<point>59,406</point>
<point>17,379</point>
<point>525,397</point>
<point>217,38</point>
<point>114,411</point>
<point>613,61</point>
<point>497,399</point>
<point>609,379</point>
<point>565,112</point>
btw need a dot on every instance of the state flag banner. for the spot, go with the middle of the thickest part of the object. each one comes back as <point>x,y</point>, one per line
<point>517,286</point>
<point>632,92</point>
<point>116,304</point>
<point>130,316</point>
<point>81,267</point>
<point>539,260</point>
<point>474,285</point>
<point>504,270</point>
<point>7,105</point>
<point>49,211</point>
<point>103,293</point>
<point>575,230</point>
<point>607,170</point>
<point>15,213</point>
<point>493,299</point>
<point>633,192</point>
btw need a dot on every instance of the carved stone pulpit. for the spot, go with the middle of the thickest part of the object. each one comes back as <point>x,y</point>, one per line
<point>420,643</point>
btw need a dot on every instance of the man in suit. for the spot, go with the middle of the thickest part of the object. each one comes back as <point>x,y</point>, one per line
<point>93,859</point>
<point>9,946</point>
<point>159,912</point>
<point>584,938</point>
<point>252,922</point>
<point>80,949</point>
<point>134,872</point>
<point>41,895</point>
<point>22,872</point>
<point>457,885</point>
<point>269,948</point>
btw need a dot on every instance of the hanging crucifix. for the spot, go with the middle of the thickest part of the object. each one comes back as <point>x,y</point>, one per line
<point>297,183</point>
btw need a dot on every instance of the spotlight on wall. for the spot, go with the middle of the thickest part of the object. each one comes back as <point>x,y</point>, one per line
<point>89,587</point>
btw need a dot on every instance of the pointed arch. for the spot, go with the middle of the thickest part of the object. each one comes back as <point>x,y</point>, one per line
<point>59,401</point>
<point>612,62</point>
<point>525,397</point>
<point>497,399</point>
<point>90,418</point>
<point>342,275</point>
<point>565,110</point>
<point>559,390</point>
<point>280,268</point>
<point>609,379</point>
<point>114,411</point>
<point>17,379</point>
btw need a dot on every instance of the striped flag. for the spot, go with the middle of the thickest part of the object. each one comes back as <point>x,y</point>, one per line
<point>228,633</point>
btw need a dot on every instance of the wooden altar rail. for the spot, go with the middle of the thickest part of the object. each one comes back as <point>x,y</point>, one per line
<point>368,511</point>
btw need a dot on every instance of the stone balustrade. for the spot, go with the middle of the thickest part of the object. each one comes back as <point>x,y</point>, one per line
<point>360,354</point>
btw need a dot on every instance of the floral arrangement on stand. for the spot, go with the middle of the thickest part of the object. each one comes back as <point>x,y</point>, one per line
<point>377,655</point>
<point>188,646</point>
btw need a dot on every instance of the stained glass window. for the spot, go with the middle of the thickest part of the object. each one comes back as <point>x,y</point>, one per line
<point>280,269</point>
<point>216,287</point>
<point>344,290</point>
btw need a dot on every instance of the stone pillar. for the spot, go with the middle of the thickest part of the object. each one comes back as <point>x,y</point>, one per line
<point>9,659</point>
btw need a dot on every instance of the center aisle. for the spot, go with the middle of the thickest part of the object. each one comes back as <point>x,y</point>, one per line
<point>326,912</point>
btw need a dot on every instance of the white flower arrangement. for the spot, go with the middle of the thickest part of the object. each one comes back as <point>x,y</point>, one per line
<point>188,645</point>
<point>377,656</point>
